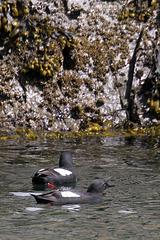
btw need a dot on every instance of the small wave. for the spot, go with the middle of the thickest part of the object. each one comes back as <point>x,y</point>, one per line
<point>33,209</point>
<point>127,211</point>
<point>24,194</point>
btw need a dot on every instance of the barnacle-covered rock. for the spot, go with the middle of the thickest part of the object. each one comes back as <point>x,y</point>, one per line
<point>65,65</point>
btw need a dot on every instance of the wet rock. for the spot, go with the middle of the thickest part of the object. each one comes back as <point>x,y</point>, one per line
<point>92,50</point>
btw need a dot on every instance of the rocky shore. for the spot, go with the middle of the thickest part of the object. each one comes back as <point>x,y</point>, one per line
<point>67,64</point>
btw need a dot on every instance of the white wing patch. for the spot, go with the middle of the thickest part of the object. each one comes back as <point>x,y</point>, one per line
<point>41,170</point>
<point>69,194</point>
<point>63,172</point>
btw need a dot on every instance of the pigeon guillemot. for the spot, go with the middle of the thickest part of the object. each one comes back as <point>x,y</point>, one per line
<point>57,176</point>
<point>59,197</point>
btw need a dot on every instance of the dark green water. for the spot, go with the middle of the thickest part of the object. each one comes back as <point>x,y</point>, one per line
<point>130,210</point>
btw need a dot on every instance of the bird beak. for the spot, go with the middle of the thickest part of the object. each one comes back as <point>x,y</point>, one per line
<point>110,185</point>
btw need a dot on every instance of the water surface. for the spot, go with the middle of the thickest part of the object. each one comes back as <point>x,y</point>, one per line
<point>130,210</point>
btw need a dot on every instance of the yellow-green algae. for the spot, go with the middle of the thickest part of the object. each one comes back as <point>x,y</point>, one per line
<point>154,105</point>
<point>31,135</point>
<point>34,37</point>
<point>94,130</point>
<point>140,13</point>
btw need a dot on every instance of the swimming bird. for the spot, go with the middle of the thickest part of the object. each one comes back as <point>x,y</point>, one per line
<point>61,197</point>
<point>57,176</point>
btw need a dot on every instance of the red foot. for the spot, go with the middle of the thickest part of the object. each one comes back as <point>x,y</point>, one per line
<point>51,185</point>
